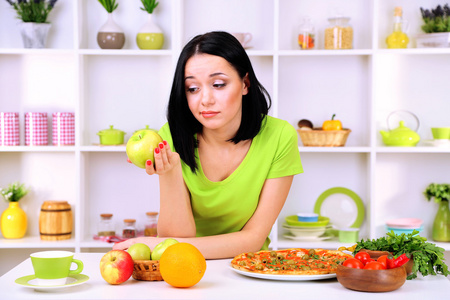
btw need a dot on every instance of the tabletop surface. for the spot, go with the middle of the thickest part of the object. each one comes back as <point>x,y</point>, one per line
<point>219,282</point>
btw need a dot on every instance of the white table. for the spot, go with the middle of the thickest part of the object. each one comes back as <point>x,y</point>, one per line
<point>219,282</point>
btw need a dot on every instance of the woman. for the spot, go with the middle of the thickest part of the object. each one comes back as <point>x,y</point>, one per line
<point>223,188</point>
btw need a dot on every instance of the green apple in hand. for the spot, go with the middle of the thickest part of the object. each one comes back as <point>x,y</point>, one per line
<point>139,251</point>
<point>161,247</point>
<point>141,145</point>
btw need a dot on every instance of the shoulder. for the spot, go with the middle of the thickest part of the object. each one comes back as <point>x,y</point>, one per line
<point>272,126</point>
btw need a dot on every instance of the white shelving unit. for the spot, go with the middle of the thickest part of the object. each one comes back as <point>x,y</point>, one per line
<point>129,88</point>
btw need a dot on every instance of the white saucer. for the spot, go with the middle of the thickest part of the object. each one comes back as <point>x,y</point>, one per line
<point>437,143</point>
<point>308,238</point>
<point>29,281</point>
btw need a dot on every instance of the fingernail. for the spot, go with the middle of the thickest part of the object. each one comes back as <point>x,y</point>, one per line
<point>149,162</point>
<point>165,142</point>
<point>161,145</point>
<point>157,150</point>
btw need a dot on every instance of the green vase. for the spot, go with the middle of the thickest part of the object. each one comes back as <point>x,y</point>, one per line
<point>441,225</point>
<point>150,36</point>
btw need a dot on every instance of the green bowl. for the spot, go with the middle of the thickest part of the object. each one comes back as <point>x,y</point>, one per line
<point>293,221</point>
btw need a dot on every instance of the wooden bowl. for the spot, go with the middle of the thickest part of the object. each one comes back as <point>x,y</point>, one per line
<point>147,270</point>
<point>375,254</point>
<point>371,280</point>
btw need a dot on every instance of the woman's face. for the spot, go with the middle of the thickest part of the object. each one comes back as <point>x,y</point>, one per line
<point>214,92</point>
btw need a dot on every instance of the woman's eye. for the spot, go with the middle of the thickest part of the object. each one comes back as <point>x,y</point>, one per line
<point>219,85</point>
<point>191,89</point>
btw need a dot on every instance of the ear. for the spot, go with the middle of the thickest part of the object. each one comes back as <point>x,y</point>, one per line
<point>246,82</point>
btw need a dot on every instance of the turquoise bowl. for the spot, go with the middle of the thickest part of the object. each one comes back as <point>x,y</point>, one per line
<point>293,221</point>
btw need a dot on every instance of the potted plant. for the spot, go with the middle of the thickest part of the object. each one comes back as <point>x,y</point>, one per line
<point>436,27</point>
<point>13,220</point>
<point>110,35</point>
<point>441,225</point>
<point>150,36</point>
<point>34,26</point>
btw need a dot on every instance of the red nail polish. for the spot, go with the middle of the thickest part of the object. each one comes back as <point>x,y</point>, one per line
<point>157,150</point>
<point>165,143</point>
<point>149,162</point>
<point>161,145</point>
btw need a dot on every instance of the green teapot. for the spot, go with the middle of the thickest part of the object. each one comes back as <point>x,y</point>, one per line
<point>401,136</point>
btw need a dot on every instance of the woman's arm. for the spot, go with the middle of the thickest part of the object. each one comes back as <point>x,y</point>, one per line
<point>250,238</point>
<point>175,212</point>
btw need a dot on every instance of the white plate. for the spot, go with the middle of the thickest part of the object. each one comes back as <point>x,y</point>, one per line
<point>284,277</point>
<point>437,143</point>
<point>307,238</point>
<point>29,281</point>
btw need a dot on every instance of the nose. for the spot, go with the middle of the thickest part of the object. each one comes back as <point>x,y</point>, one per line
<point>207,97</point>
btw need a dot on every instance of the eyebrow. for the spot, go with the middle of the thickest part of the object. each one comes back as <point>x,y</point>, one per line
<point>211,75</point>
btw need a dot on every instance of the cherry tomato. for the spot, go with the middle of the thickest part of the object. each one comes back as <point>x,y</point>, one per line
<point>383,261</point>
<point>363,257</point>
<point>373,265</point>
<point>353,263</point>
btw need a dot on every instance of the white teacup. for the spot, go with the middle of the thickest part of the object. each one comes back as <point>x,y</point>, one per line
<point>243,37</point>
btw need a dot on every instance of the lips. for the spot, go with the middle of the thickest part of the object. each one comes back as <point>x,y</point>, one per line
<point>209,114</point>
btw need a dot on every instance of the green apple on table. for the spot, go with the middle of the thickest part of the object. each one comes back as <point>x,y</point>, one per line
<point>141,145</point>
<point>139,251</point>
<point>161,247</point>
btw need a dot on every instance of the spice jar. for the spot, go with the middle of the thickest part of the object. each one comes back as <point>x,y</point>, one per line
<point>151,224</point>
<point>339,33</point>
<point>106,225</point>
<point>306,34</point>
<point>129,229</point>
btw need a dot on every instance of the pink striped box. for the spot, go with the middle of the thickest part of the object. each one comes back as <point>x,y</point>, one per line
<point>63,128</point>
<point>9,129</point>
<point>36,129</point>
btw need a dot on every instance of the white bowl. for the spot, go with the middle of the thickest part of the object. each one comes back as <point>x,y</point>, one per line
<point>316,232</point>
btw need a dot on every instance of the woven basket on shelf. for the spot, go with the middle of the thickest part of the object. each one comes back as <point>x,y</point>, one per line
<point>147,270</point>
<point>323,138</point>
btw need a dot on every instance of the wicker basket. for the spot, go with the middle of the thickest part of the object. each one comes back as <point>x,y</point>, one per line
<point>323,138</point>
<point>147,270</point>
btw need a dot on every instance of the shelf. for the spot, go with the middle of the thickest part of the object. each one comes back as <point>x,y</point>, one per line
<point>335,149</point>
<point>125,52</point>
<point>35,242</point>
<point>37,148</point>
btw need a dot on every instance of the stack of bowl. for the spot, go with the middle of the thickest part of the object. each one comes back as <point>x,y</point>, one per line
<point>306,226</point>
<point>404,225</point>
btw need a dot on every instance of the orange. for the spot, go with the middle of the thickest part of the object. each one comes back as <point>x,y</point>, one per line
<point>182,265</point>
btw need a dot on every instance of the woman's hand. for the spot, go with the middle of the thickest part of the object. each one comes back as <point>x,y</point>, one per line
<point>165,160</point>
<point>150,241</point>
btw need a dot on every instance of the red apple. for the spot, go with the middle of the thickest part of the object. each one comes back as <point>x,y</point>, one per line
<point>116,266</point>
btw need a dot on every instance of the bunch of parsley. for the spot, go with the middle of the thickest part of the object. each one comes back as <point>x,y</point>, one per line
<point>428,258</point>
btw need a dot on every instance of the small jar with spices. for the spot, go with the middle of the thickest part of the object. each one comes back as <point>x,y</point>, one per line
<point>339,33</point>
<point>151,224</point>
<point>306,35</point>
<point>106,225</point>
<point>129,229</point>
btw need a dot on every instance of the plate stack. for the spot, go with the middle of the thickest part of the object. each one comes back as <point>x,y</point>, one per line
<point>404,225</point>
<point>307,231</point>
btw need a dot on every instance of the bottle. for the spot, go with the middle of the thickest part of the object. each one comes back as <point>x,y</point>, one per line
<point>398,38</point>
<point>129,229</point>
<point>151,224</point>
<point>339,34</point>
<point>306,35</point>
<point>106,225</point>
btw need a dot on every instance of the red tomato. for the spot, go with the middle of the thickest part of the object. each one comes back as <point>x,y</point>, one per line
<point>383,261</point>
<point>374,265</point>
<point>363,257</point>
<point>353,263</point>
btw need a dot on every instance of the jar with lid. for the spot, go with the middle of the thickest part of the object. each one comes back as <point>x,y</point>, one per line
<point>306,34</point>
<point>129,229</point>
<point>339,33</point>
<point>151,224</point>
<point>106,225</point>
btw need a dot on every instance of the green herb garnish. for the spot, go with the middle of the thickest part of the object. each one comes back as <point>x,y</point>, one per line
<point>428,258</point>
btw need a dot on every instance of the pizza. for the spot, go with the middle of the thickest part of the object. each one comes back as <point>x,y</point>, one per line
<point>295,261</point>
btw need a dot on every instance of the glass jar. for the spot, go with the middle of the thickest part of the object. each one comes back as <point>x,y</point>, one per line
<point>129,229</point>
<point>151,224</point>
<point>339,34</point>
<point>306,35</point>
<point>106,225</point>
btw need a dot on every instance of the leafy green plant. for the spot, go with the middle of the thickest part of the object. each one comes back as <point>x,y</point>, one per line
<point>438,192</point>
<point>436,20</point>
<point>14,192</point>
<point>109,5</point>
<point>428,258</point>
<point>149,5</point>
<point>35,11</point>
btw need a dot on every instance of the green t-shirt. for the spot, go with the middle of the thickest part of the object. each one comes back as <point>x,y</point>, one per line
<point>226,206</point>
